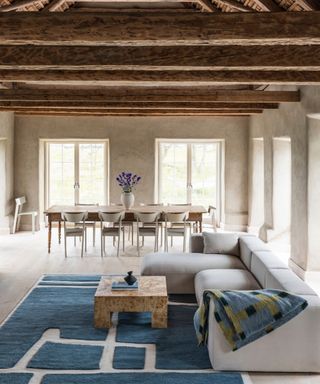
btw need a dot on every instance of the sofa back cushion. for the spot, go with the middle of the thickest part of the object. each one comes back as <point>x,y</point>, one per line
<point>223,243</point>
<point>196,243</point>
<point>262,262</point>
<point>249,244</point>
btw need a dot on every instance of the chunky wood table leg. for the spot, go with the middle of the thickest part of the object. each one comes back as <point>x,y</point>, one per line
<point>200,226</point>
<point>102,318</point>
<point>49,235</point>
<point>59,231</point>
<point>160,318</point>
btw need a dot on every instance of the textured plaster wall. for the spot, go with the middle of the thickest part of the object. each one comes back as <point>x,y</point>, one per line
<point>314,193</point>
<point>132,147</point>
<point>6,169</point>
<point>291,120</point>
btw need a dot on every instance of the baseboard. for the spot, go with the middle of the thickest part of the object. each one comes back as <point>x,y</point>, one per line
<point>27,227</point>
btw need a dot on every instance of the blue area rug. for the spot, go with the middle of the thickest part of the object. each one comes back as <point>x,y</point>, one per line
<point>15,378</point>
<point>177,346</point>
<point>63,356</point>
<point>146,378</point>
<point>69,309</point>
<point>128,358</point>
<point>65,302</point>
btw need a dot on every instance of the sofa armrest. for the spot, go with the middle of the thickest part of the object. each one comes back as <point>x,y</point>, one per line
<point>293,347</point>
<point>196,243</point>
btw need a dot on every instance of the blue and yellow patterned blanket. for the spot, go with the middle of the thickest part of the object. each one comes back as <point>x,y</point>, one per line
<point>245,316</point>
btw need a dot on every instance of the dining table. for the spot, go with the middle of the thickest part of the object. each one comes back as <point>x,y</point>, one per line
<point>195,213</point>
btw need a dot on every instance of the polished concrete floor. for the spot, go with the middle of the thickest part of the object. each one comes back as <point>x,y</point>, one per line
<point>24,259</point>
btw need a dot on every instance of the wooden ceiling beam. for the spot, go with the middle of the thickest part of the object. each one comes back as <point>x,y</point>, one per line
<point>162,76</point>
<point>161,57</point>
<point>16,5</point>
<point>148,94</point>
<point>131,112</point>
<point>79,114</point>
<point>160,28</point>
<point>34,105</point>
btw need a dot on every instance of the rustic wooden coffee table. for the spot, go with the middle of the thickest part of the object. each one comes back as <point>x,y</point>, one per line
<point>150,297</point>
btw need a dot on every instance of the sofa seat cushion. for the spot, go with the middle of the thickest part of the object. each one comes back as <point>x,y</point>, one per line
<point>249,244</point>
<point>181,268</point>
<point>261,262</point>
<point>221,243</point>
<point>231,279</point>
<point>286,280</point>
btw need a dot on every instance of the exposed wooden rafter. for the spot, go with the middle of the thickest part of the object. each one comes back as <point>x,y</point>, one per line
<point>134,77</point>
<point>234,4</point>
<point>207,5</point>
<point>16,5</point>
<point>268,5</point>
<point>148,94</point>
<point>279,57</point>
<point>162,105</point>
<point>160,29</point>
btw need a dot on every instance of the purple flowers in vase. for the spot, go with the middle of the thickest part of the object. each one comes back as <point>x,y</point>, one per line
<point>127,181</point>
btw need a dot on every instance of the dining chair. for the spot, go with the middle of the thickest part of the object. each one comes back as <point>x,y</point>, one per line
<point>126,223</point>
<point>176,226</point>
<point>112,231</point>
<point>144,230</point>
<point>78,219</point>
<point>160,223</point>
<point>90,224</point>
<point>20,201</point>
<point>191,226</point>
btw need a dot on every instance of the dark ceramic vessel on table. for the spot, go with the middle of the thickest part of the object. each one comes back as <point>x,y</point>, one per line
<point>130,279</point>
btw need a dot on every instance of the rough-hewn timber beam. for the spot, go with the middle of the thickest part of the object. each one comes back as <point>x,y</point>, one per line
<point>141,94</point>
<point>34,105</point>
<point>130,112</point>
<point>160,28</point>
<point>160,57</point>
<point>162,76</point>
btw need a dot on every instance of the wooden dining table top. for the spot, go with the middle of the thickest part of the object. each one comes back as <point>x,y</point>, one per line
<point>120,208</point>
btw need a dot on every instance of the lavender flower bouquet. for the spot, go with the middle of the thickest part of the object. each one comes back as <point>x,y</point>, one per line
<point>127,181</point>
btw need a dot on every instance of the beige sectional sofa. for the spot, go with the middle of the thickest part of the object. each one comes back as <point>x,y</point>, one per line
<point>244,263</point>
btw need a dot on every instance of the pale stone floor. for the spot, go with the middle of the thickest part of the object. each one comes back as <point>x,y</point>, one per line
<point>24,259</point>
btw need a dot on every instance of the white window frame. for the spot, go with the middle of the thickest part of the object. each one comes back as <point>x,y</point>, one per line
<point>219,170</point>
<point>47,142</point>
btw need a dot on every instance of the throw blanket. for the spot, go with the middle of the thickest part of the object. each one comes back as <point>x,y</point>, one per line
<point>245,316</point>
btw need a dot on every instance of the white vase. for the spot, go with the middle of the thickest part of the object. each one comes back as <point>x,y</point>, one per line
<point>127,199</point>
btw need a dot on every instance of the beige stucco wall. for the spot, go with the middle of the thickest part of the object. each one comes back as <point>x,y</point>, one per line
<point>6,170</point>
<point>290,120</point>
<point>132,147</point>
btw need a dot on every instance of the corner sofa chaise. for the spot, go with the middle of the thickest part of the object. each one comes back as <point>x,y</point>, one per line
<point>229,261</point>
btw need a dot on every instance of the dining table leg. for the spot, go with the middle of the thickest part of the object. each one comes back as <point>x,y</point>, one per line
<point>49,235</point>
<point>59,232</point>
